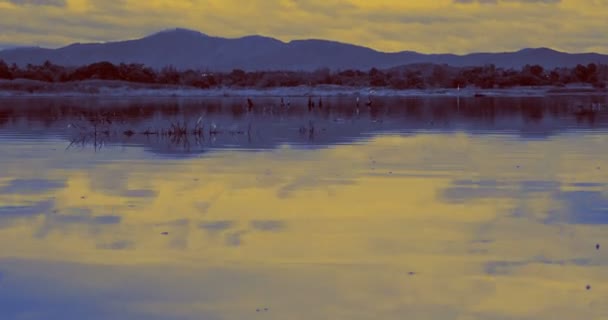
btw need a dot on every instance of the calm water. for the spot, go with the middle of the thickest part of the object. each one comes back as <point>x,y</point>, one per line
<point>437,208</point>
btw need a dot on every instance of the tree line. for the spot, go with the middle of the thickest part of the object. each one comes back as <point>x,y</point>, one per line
<point>417,76</point>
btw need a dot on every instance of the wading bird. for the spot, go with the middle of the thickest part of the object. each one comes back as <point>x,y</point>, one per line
<point>250,104</point>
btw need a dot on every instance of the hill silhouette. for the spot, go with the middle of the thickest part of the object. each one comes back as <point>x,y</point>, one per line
<point>183,48</point>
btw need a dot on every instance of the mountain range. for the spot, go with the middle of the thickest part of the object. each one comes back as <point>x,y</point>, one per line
<point>183,48</point>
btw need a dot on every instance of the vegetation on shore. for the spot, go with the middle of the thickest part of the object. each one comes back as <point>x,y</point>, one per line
<point>417,76</point>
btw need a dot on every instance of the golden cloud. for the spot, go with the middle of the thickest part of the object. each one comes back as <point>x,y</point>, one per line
<point>457,26</point>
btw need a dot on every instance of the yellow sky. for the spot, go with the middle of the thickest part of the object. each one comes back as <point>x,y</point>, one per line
<point>458,26</point>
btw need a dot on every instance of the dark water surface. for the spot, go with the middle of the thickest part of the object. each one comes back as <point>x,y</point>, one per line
<point>435,208</point>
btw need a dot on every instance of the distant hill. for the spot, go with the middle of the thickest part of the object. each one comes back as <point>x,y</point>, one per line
<point>184,48</point>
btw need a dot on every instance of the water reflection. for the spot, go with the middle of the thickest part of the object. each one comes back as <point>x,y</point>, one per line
<point>31,186</point>
<point>190,127</point>
<point>471,220</point>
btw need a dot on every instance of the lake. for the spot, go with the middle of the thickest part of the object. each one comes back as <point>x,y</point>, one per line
<point>413,208</point>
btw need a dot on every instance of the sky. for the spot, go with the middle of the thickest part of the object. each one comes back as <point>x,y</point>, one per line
<point>428,26</point>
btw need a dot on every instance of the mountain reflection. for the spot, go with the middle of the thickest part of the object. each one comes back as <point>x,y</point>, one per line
<point>193,126</point>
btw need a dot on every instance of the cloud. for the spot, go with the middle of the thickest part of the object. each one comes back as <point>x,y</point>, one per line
<point>56,3</point>
<point>11,213</point>
<point>235,239</point>
<point>508,267</point>
<point>268,225</point>
<point>476,1</point>
<point>216,226</point>
<point>497,1</point>
<point>33,186</point>
<point>81,219</point>
<point>457,26</point>
<point>116,245</point>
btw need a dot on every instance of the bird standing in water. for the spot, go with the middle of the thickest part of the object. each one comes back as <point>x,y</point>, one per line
<point>250,104</point>
<point>369,98</point>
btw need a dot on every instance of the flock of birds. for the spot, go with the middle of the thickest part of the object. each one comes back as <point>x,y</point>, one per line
<point>593,107</point>
<point>311,103</point>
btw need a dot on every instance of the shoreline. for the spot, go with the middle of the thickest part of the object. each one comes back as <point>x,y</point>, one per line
<point>103,88</point>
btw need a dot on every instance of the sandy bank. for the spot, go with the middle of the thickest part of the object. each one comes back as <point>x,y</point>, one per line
<point>29,88</point>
